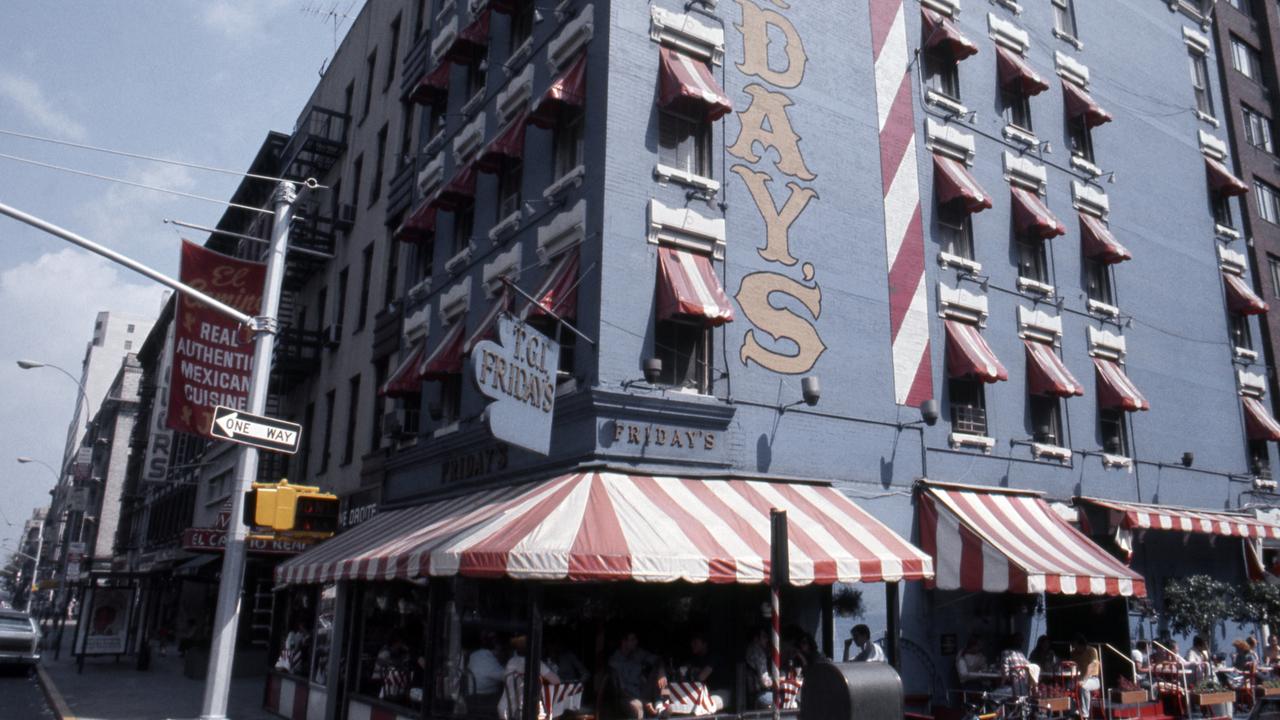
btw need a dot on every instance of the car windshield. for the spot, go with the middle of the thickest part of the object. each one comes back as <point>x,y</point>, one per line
<point>13,623</point>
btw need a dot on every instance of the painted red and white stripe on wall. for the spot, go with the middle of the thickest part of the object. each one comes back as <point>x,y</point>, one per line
<point>294,698</point>
<point>357,710</point>
<point>903,230</point>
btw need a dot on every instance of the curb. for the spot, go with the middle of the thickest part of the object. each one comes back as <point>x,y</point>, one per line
<point>55,698</point>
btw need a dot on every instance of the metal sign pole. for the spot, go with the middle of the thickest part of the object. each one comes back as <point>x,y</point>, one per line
<point>779,576</point>
<point>226,619</point>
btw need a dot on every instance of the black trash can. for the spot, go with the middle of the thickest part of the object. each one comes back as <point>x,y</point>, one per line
<point>851,691</point>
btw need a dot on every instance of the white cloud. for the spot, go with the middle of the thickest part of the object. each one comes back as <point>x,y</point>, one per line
<point>130,219</point>
<point>241,19</point>
<point>27,97</point>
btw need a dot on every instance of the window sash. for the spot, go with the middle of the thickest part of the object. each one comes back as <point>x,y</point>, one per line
<point>955,230</point>
<point>1241,334</point>
<point>684,143</point>
<point>1273,264</point>
<point>1200,83</point>
<point>685,350</point>
<point>1222,210</point>
<point>1111,427</point>
<point>1080,137</point>
<point>1064,17</point>
<point>968,406</point>
<point>1031,259</point>
<point>568,142</point>
<point>1098,281</point>
<point>464,219</point>
<point>1046,419</point>
<point>942,73</point>
<point>1257,129</point>
<point>509,182</point>
<point>1017,109</point>
<point>1266,197</point>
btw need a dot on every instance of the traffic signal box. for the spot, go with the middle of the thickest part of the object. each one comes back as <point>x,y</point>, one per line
<point>291,509</point>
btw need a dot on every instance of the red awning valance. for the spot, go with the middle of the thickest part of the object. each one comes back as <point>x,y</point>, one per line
<point>569,90</point>
<point>603,525</point>
<point>1142,516</point>
<point>688,287</point>
<point>1221,180</point>
<point>559,292</point>
<point>1098,241</point>
<point>460,189</point>
<point>1046,373</point>
<point>472,40</point>
<point>940,32</point>
<point>508,145</point>
<point>446,357</point>
<point>1015,74</point>
<point>433,86</point>
<point>1032,217</point>
<point>419,226</point>
<point>1259,423</point>
<point>1080,104</point>
<point>404,379</point>
<point>968,355</point>
<point>488,327</point>
<point>994,540</point>
<point>954,183</point>
<point>1241,298</point>
<point>1115,389</point>
<point>687,85</point>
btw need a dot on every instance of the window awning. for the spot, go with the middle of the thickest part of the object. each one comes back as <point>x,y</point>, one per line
<point>1141,516</point>
<point>433,86</point>
<point>1241,298</point>
<point>940,32</point>
<point>1098,241</point>
<point>1259,423</point>
<point>954,183</point>
<point>688,287</point>
<point>569,90</point>
<point>1222,181</point>
<point>419,226</point>
<point>686,85</point>
<point>1080,104</point>
<point>404,380</point>
<point>997,540</point>
<point>488,327</point>
<point>1046,373</point>
<point>446,357</point>
<point>601,526</point>
<point>1032,217</point>
<point>508,145</point>
<point>471,41</point>
<point>1115,389</point>
<point>460,189</point>
<point>968,355</point>
<point>1015,74</point>
<point>559,292</point>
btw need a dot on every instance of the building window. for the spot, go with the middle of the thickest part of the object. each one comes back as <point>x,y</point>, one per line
<point>420,19</point>
<point>1273,264</point>
<point>1080,138</point>
<point>1112,430</point>
<point>1268,199</point>
<point>942,73</point>
<point>128,344</point>
<point>1098,281</point>
<point>1259,459</point>
<point>425,257</point>
<point>304,453</point>
<point>1046,419</point>
<point>464,220</point>
<point>348,104</point>
<point>476,70</point>
<point>366,274</point>
<point>129,329</point>
<point>568,141</point>
<point>329,399</point>
<point>1064,18</point>
<point>685,351</point>
<point>510,178</point>
<point>1244,6</point>
<point>322,302</point>
<point>357,171</point>
<point>353,415</point>
<point>371,65</point>
<point>340,312</point>
<point>684,143</point>
<point>1200,83</point>
<point>1032,263</point>
<point>955,230</point>
<point>1017,108</point>
<point>1257,128</point>
<point>450,399</point>
<point>1221,205</point>
<point>405,157</point>
<point>1238,325</point>
<point>1245,59</point>
<point>375,191</point>
<point>395,51</point>
<point>568,342</point>
<point>393,270</point>
<point>968,406</point>
<point>521,25</point>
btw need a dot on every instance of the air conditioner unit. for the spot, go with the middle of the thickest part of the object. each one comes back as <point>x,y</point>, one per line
<point>333,335</point>
<point>346,217</point>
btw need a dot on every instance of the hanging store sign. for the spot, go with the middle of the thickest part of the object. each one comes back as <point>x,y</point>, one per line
<point>212,354</point>
<point>155,468</point>
<point>519,373</point>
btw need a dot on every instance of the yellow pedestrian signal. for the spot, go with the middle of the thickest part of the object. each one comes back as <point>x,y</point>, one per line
<point>300,509</point>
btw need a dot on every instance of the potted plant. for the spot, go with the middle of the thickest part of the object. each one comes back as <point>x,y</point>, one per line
<point>1211,692</point>
<point>1127,692</point>
<point>1195,604</point>
<point>1257,603</point>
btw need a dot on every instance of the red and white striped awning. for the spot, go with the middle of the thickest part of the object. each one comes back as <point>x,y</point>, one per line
<point>940,32</point>
<point>1046,373</point>
<point>471,41</point>
<point>1259,423</point>
<point>405,379</point>
<point>1115,389</point>
<point>1241,298</point>
<point>687,85</point>
<point>1032,217</point>
<point>954,183</point>
<point>1221,180</point>
<point>569,90</point>
<point>507,145</point>
<point>688,287</point>
<point>968,355</point>
<point>419,226</point>
<point>559,292</point>
<point>599,525</point>
<point>434,85</point>
<point>1014,73</point>
<point>488,327</point>
<point>446,357</point>
<point>1079,104</point>
<point>1098,241</point>
<point>1141,516</point>
<point>996,540</point>
<point>460,189</point>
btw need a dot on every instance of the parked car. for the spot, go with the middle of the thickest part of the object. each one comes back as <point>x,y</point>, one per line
<point>19,638</point>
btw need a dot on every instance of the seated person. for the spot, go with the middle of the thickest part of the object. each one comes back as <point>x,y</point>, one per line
<point>868,650</point>
<point>1141,657</point>
<point>969,662</point>
<point>564,663</point>
<point>701,666</point>
<point>637,675</point>
<point>513,683</point>
<point>759,677</point>
<point>1272,655</point>
<point>486,665</point>
<point>1016,672</point>
<point>1043,656</point>
<point>1085,656</point>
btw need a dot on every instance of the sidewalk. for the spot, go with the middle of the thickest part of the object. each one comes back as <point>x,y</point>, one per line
<point>108,690</point>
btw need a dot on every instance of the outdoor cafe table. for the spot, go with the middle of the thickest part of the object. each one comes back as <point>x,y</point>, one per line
<point>689,698</point>
<point>556,699</point>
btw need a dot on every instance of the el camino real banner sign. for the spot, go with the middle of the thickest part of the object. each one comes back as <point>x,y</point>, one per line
<point>212,354</point>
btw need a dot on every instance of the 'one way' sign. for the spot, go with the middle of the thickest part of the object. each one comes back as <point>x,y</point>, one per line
<point>256,430</point>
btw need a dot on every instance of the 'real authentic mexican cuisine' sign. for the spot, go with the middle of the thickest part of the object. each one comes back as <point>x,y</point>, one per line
<point>519,373</point>
<point>212,354</point>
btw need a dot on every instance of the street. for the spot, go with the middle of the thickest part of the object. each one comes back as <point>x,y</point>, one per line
<point>22,698</point>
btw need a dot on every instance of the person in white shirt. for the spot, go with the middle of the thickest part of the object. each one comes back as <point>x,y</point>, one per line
<point>868,650</point>
<point>969,662</point>
<point>486,667</point>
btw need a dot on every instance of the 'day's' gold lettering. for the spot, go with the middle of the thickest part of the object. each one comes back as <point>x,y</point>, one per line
<point>777,247</point>
<point>753,298</point>
<point>755,34</point>
<point>765,121</point>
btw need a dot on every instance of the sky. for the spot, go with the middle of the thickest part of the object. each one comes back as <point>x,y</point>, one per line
<point>200,81</point>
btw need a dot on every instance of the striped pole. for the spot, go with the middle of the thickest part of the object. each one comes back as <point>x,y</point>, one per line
<point>903,231</point>
<point>775,658</point>
<point>779,575</point>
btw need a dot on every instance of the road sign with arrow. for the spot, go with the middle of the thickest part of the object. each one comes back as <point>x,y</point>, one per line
<point>259,431</point>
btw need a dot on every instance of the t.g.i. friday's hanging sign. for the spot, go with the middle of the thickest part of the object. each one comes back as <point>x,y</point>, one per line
<point>519,373</point>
